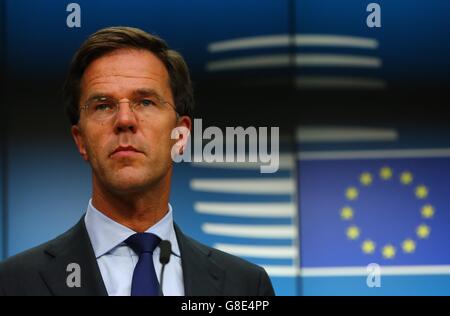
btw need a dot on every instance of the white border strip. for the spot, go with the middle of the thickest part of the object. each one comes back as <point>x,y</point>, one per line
<point>284,40</point>
<point>257,61</point>
<point>281,271</point>
<point>286,162</point>
<point>335,60</point>
<point>249,42</point>
<point>292,271</point>
<point>255,210</point>
<point>335,40</point>
<point>326,134</point>
<point>385,270</point>
<point>245,186</point>
<point>251,231</point>
<point>319,82</point>
<point>374,154</point>
<point>301,60</point>
<point>267,252</point>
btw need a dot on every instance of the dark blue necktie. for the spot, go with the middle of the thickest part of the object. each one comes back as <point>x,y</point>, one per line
<point>145,282</point>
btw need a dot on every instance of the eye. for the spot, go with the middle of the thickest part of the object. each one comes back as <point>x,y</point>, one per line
<point>147,102</point>
<point>103,106</point>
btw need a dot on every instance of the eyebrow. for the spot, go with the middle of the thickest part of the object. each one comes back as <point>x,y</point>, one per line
<point>142,92</point>
<point>146,92</point>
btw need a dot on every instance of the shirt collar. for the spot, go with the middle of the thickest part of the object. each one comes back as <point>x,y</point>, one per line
<point>106,234</point>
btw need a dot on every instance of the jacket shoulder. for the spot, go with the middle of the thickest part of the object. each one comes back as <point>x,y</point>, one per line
<point>227,260</point>
<point>239,272</point>
<point>19,272</point>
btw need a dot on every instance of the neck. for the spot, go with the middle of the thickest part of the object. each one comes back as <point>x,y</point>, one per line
<point>138,211</point>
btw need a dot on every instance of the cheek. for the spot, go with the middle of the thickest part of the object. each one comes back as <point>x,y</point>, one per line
<point>95,147</point>
<point>162,135</point>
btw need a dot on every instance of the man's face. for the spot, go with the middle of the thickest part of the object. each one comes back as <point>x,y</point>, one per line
<point>122,75</point>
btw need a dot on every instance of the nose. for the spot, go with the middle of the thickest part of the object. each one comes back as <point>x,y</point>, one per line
<point>125,118</point>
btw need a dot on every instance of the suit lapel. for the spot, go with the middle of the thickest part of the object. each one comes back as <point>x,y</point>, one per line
<point>202,276</point>
<point>73,247</point>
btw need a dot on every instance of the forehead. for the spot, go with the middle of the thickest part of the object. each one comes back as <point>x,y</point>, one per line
<point>121,72</point>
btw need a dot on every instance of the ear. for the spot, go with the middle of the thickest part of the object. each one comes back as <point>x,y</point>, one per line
<point>184,126</point>
<point>78,137</point>
<point>185,121</point>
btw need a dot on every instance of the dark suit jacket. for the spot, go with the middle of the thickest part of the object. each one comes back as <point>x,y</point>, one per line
<point>206,271</point>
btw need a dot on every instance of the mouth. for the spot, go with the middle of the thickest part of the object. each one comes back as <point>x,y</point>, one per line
<point>125,151</point>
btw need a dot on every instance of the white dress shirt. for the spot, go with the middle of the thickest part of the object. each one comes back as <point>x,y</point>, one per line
<point>117,261</point>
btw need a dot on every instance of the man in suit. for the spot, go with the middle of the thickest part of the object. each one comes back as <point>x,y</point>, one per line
<point>125,93</point>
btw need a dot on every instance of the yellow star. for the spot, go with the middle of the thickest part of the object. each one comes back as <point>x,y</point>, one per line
<point>423,231</point>
<point>365,178</point>
<point>368,246</point>
<point>351,193</point>
<point>406,177</point>
<point>421,191</point>
<point>352,232</point>
<point>408,246</point>
<point>388,251</point>
<point>346,213</point>
<point>386,173</point>
<point>427,211</point>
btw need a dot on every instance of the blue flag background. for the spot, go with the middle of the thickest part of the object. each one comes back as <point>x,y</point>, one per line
<point>386,211</point>
<point>374,196</point>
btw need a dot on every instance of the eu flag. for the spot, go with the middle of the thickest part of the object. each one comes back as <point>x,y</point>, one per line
<point>389,207</point>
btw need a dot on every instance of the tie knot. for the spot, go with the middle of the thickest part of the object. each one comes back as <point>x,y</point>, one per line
<point>143,242</point>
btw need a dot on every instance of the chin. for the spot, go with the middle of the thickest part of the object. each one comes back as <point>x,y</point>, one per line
<point>131,182</point>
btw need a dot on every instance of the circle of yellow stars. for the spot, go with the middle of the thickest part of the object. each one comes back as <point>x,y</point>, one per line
<point>408,245</point>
